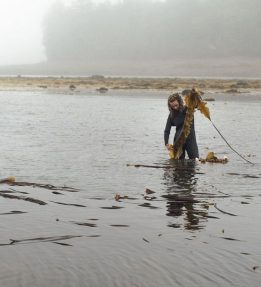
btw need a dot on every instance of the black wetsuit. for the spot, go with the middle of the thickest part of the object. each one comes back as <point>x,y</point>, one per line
<point>190,146</point>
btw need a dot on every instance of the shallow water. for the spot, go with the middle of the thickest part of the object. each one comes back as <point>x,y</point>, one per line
<point>201,227</point>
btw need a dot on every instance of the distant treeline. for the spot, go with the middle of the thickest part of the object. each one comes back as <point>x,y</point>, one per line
<point>153,30</point>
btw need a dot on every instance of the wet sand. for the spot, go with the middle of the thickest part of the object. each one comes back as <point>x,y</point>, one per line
<point>103,84</point>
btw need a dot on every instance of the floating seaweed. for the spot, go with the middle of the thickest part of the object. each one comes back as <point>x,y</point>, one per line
<point>72,204</point>
<point>11,190</point>
<point>6,191</point>
<point>13,212</point>
<point>112,207</point>
<point>86,224</point>
<point>167,166</point>
<point>215,205</point>
<point>119,225</point>
<point>62,243</point>
<point>57,193</point>
<point>211,157</point>
<point>150,166</point>
<point>244,175</point>
<point>12,181</point>
<point>40,239</point>
<point>118,197</point>
<point>30,199</point>
<point>230,238</point>
<point>146,240</point>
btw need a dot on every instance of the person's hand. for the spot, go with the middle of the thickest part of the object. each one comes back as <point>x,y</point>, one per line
<point>168,146</point>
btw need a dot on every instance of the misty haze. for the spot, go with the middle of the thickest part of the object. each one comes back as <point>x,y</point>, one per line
<point>138,36</point>
<point>135,37</point>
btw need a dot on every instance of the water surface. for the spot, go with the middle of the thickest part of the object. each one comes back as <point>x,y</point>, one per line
<point>201,227</point>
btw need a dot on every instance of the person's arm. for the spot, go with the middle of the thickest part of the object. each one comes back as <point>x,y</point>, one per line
<point>167,131</point>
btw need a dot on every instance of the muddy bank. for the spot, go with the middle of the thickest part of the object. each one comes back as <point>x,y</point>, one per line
<point>103,84</point>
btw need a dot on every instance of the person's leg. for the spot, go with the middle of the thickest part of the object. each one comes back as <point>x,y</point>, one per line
<point>192,149</point>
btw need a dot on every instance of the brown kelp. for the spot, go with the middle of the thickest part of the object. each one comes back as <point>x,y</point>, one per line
<point>41,239</point>
<point>194,101</point>
<point>11,180</point>
<point>211,157</point>
<point>25,198</point>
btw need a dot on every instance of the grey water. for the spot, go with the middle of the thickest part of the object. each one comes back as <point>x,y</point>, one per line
<point>200,227</point>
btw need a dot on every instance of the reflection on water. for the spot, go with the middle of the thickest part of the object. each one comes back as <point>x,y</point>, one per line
<point>181,187</point>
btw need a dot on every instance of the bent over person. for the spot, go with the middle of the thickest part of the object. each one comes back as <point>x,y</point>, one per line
<point>177,113</point>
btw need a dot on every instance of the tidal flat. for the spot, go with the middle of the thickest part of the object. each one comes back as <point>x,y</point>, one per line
<point>79,213</point>
<point>102,83</point>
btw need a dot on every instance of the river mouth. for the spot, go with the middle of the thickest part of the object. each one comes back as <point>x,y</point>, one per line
<point>184,223</point>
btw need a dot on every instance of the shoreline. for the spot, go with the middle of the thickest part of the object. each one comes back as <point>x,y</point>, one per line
<point>103,84</point>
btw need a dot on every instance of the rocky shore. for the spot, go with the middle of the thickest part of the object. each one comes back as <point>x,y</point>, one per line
<point>103,84</point>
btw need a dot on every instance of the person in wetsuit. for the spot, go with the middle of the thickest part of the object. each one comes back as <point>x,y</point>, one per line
<point>176,118</point>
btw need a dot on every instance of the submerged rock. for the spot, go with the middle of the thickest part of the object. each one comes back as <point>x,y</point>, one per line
<point>102,90</point>
<point>72,87</point>
<point>232,91</point>
<point>209,99</point>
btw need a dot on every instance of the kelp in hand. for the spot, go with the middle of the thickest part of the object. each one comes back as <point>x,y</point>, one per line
<point>194,101</point>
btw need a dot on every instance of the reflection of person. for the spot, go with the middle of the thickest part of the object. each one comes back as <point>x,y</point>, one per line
<point>176,118</point>
<point>181,185</point>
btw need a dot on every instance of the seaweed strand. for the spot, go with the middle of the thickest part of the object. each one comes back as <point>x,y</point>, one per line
<point>229,144</point>
<point>194,101</point>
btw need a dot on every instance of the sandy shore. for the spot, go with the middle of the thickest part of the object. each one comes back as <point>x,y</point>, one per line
<point>103,84</point>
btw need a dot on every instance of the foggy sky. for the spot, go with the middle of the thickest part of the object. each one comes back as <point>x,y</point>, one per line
<point>141,33</point>
<point>21,29</point>
<point>143,30</point>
